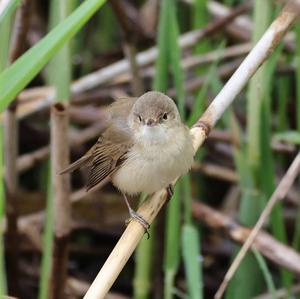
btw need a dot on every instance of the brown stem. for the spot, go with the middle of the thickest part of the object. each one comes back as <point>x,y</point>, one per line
<point>128,17</point>
<point>216,171</point>
<point>136,79</point>
<point>11,183</point>
<point>61,196</point>
<point>11,152</point>
<point>20,30</point>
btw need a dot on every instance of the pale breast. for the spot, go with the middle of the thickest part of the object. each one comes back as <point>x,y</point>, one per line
<point>155,167</point>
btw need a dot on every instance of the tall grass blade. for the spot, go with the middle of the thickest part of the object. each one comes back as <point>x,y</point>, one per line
<point>250,207</point>
<point>200,19</point>
<point>143,269</point>
<point>168,32</point>
<point>262,15</point>
<point>172,247</point>
<point>199,105</point>
<point>266,273</point>
<point>4,41</point>
<point>47,243</point>
<point>161,65</point>
<point>192,261</point>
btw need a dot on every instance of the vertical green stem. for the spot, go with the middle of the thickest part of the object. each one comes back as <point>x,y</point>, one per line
<point>170,58</point>
<point>262,13</point>
<point>47,243</point>
<point>4,41</point>
<point>144,260</point>
<point>266,272</point>
<point>172,256</point>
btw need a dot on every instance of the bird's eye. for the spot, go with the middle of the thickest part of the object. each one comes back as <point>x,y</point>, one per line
<point>139,118</point>
<point>165,116</point>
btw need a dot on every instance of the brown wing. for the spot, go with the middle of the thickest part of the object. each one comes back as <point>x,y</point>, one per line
<point>107,157</point>
<point>83,161</point>
<point>110,150</point>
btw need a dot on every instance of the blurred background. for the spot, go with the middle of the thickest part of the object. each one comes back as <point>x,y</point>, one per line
<point>187,49</point>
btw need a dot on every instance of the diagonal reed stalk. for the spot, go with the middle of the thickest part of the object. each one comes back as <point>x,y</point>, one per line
<point>151,206</point>
<point>277,195</point>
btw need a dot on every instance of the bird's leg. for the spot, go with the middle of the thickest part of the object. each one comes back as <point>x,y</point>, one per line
<point>136,216</point>
<point>170,192</point>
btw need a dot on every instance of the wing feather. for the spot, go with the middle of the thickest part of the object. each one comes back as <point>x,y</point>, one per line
<point>108,156</point>
<point>77,164</point>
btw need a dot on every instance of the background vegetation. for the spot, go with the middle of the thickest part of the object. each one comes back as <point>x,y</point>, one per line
<point>72,58</point>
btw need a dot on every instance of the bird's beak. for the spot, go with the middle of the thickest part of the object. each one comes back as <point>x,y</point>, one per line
<point>150,122</point>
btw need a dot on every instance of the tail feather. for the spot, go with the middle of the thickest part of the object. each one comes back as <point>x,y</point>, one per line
<point>77,164</point>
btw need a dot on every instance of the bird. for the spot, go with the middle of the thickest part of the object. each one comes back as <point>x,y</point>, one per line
<point>144,147</point>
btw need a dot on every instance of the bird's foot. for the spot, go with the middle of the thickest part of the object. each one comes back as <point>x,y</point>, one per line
<point>136,216</point>
<point>170,192</point>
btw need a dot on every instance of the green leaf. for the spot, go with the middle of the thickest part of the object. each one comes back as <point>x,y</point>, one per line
<point>19,74</point>
<point>191,251</point>
<point>47,241</point>
<point>173,231</point>
<point>266,273</point>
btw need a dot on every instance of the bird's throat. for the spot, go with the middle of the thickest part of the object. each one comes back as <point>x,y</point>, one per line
<point>154,135</point>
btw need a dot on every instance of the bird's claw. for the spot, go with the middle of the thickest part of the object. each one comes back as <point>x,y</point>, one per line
<point>136,216</point>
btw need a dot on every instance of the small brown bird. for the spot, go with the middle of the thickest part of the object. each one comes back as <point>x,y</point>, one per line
<point>143,149</point>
